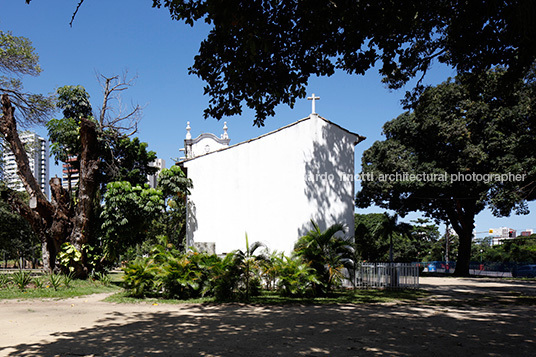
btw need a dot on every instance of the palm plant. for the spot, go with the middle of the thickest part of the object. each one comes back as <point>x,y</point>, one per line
<point>388,228</point>
<point>181,276</point>
<point>225,275</point>
<point>295,278</point>
<point>249,265</point>
<point>327,254</point>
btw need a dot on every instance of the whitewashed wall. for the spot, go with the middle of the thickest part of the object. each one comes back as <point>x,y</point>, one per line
<point>272,186</point>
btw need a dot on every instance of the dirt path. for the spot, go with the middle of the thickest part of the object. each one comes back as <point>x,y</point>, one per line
<point>462,317</point>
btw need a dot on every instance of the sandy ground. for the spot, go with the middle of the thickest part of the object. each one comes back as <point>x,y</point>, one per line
<point>462,317</point>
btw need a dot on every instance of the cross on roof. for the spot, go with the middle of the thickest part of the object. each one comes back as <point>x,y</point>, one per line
<point>313,98</point>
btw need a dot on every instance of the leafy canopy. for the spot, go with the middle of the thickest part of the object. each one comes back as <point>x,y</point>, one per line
<point>18,58</point>
<point>456,131</point>
<point>452,130</point>
<point>262,52</point>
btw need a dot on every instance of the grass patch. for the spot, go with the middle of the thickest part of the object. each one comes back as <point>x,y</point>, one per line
<point>272,298</point>
<point>123,297</point>
<point>42,288</point>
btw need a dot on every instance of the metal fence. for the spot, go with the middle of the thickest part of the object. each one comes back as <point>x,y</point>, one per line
<point>387,275</point>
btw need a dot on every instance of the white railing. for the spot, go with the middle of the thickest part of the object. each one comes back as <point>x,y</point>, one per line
<point>387,275</point>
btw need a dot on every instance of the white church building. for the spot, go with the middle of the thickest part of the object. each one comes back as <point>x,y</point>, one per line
<point>270,187</point>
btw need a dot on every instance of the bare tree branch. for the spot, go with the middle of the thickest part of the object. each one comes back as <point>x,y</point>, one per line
<point>118,119</point>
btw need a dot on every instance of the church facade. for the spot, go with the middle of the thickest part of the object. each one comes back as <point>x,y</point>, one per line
<point>270,187</point>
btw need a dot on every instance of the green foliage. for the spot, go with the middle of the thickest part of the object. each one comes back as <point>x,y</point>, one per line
<point>517,250</point>
<point>17,58</point>
<point>296,278</point>
<point>68,279</point>
<point>126,212</point>
<point>175,187</point>
<point>77,288</point>
<point>17,238</point>
<point>17,55</point>
<point>5,279</point>
<point>414,242</point>
<point>64,135</point>
<point>225,277</point>
<point>21,279</point>
<point>248,269</point>
<point>262,53</point>
<point>103,277</point>
<point>181,277</point>
<point>126,159</point>
<point>38,282</point>
<point>69,257</point>
<point>174,183</point>
<point>326,254</point>
<point>74,102</point>
<point>472,125</point>
<point>54,280</point>
<point>140,277</point>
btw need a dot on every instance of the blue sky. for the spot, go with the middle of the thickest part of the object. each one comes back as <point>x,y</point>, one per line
<point>110,37</point>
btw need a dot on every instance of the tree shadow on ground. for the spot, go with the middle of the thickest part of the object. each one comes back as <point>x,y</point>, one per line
<point>308,330</point>
<point>483,292</point>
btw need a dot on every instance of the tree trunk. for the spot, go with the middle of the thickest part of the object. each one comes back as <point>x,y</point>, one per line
<point>87,190</point>
<point>49,220</point>
<point>462,218</point>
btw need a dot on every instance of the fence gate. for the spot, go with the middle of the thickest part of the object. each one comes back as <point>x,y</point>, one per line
<point>387,275</point>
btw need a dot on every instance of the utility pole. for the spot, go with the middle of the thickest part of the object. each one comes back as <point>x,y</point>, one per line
<point>447,236</point>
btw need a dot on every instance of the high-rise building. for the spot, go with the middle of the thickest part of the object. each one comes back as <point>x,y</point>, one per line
<point>37,149</point>
<point>153,179</point>
<point>70,174</point>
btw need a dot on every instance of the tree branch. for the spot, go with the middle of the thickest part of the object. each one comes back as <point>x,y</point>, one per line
<point>75,12</point>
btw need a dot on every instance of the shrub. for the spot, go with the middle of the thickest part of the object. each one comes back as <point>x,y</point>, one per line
<point>5,279</point>
<point>295,278</point>
<point>68,257</point>
<point>55,280</point>
<point>38,282</point>
<point>102,277</point>
<point>21,279</point>
<point>180,277</point>
<point>140,277</point>
<point>68,278</point>
<point>225,277</point>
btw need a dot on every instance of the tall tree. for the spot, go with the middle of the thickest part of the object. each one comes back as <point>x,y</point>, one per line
<point>469,143</point>
<point>57,220</point>
<point>47,218</point>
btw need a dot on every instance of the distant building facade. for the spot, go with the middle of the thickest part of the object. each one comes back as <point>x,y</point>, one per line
<point>70,173</point>
<point>153,179</point>
<point>499,235</point>
<point>38,157</point>
<point>526,233</point>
